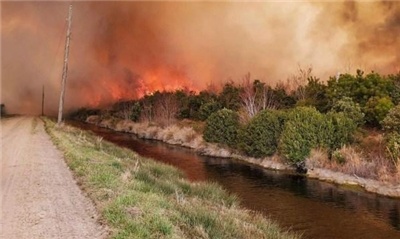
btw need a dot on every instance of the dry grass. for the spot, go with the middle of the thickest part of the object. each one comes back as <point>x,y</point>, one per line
<point>197,126</point>
<point>367,159</point>
<point>372,144</point>
<point>352,161</point>
<point>179,134</point>
<point>374,149</point>
<point>397,174</point>
<point>318,159</point>
<point>183,133</point>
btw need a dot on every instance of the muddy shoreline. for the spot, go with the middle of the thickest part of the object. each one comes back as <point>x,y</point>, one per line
<point>187,137</point>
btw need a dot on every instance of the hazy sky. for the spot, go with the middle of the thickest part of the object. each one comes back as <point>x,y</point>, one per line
<point>122,50</point>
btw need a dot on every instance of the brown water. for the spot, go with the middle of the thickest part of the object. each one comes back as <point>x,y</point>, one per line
<point>316,209</point>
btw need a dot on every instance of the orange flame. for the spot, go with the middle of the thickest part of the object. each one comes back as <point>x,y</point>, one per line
<point>157,79</point>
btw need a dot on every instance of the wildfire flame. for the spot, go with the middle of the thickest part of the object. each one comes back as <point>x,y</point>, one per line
<point>124,50</point>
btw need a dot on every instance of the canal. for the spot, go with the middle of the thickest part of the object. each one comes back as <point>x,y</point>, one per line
<point>314,208</point>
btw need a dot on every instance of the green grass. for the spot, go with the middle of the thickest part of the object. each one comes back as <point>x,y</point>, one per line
<point>140,198</point>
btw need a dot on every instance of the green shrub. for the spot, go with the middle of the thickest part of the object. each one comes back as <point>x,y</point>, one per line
<point>208,108</point>
<point>338,131</point>
<point>377,108</point>
<point>222,127</point>
<point>300,133</point>
<point>260,136</point>
<point>392,120</point>
<point>338,157</point>
<point>392,141</point>
<point>351,109</point>
<point>306,128</point>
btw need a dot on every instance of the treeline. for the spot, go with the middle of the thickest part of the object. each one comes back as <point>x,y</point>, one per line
<point>291,118</point>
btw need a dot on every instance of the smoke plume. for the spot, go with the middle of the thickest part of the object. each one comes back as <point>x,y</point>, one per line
<point>123,50</point>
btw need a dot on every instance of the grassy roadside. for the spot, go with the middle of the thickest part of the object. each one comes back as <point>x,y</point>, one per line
<point>140,198</point>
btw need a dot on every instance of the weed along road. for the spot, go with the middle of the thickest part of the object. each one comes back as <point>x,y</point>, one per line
<point>40,198</point>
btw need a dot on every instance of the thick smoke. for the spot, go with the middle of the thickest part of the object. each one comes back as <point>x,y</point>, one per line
<point>122,50</point>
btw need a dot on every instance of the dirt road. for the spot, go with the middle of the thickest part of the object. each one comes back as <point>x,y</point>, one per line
<point>40,198</point>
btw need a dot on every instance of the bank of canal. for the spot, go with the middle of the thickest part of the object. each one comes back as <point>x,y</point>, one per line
<point>315,208</point>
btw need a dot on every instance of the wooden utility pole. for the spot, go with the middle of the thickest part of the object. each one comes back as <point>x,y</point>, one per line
<point>65,68</point>
<point>43,100</point>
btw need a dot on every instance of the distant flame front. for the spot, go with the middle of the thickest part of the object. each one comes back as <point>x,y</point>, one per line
<point>124,50</point>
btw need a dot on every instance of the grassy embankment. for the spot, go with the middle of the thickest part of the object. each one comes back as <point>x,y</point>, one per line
<point>364,162</point>
<point>141,198</point>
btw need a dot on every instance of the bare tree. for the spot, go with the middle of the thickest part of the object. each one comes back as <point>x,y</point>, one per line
<point>165,108</point>
<point>256,96</point>
<point>248,96</point>
<point>147,110</point>
<point>124,109</point>
<point>298,81</point>
<point>267,99</point>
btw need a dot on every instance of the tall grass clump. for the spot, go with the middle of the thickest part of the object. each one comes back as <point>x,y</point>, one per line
<point>392,142</point>
<point>140,198</point>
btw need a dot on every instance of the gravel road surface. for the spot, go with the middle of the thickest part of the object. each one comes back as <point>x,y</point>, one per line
<point>39,197</point>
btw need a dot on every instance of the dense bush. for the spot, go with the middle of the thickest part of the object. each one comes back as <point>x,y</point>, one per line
<point>392,120</point>
<point>222,127</point>
<point>360,87</point>
<point>376,94</point>
<point>306,128</point>
<point>208,108</point>
<point>338,131</point>
<point>300,133</point>
<point>315,95</point>
<point>377,108</point>
<point>260,136</point>
<point>230,96</point>
<point>350,109</point>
